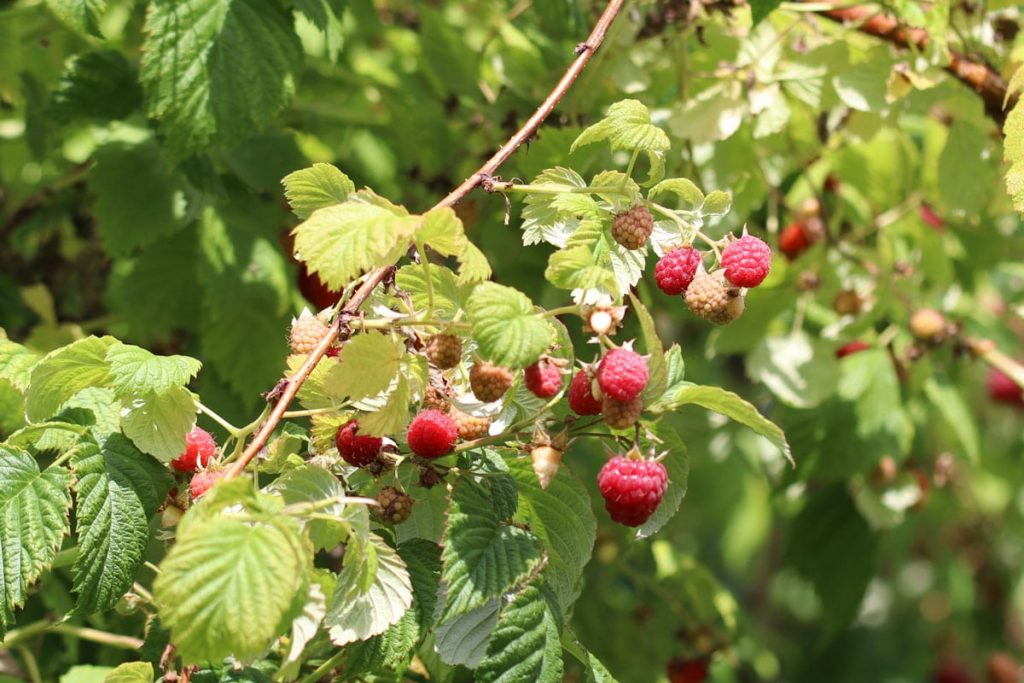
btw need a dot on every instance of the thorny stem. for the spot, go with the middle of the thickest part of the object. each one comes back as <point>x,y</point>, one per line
<point>584,52</point>
<point>551,188</point>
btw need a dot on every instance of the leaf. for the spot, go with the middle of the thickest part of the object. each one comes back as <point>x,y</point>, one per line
<point>311,484</point>
<point>33,520</point>
<point>443,232</point>
<point>319,186</point>
<point>392,417</point>
<point>760,9</point>
<point>800,371</point>
<point>215,71</point>
<point>101,84</point>
<point>367,365</point>
<point>690,195</point>
<point>86,673</point>
<point>449,62</point>
<point>657,369</point>
<point>553,218</point>
<point>505,326</point>
<point>576,268</point>
<point>303,629</point>
<point>958,415</point>
<point>965,171</point>
<point>118,490</point>
<point>208,579</point>
<point>357,614</point>
<point>677,463</point>
<point>134,370</point>
<point>482,557</point>
<point>863,85</point>
<point>81,15</point>
<point>869,381</point>
<point>449,296</point>
<point>563,520</point>
<point>65,372</point>
<point>1013,151</point>
<point>339,242</point>
<point>157,423</point>
<point>717,203</point>
<point>525,646</point>
<point>626,126</point>
<point>16,363</point>
<point>463,640</point>
<point>131,672</point>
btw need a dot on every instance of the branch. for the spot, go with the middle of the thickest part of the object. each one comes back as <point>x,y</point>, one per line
<point>287,389</point>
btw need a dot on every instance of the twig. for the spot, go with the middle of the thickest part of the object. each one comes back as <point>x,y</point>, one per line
<point>290,387</point>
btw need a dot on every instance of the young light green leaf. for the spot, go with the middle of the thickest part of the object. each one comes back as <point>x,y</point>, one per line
<point>319,186</point>
<point>546,218</point>
<point>575,268</point>
<point>449,296</point>
<point>958,415</point>
<point>677,462</point>
<point>627,126</point>
<point>16,363</point>
<point>506,327</point>
<point>443,232</point>
<point>717,203</point>
<point>1013,151</point>
<point>313,392</point>
<point>81,15</point>
<point>157,423</point>
<point>131,672</point>
<point>367,365</point>
<point>311,484</point>
<point>689,194</point>
<point>525,646</point>
<point>134,370</point>
<point>65,372</point>
<point>392,417</point>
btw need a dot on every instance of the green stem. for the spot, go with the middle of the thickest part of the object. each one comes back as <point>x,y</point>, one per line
<point>711,243</point>
<point>65,558</point>
<point>512,429</point>
<point>231,429</point>
<point>292,414</point>
<point>324,668</point>
<point>562,310</point>
<point>629,169</point>
<point>97,636</point>
<point>141,591</point>
<point>31,664</point>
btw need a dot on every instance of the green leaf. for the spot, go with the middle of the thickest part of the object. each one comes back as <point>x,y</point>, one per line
<point>563,520</point>
<point>134,370</point>
<point>131,672</point>
<point>463,640</point>
<point>449,62</point>
<point>965,170</point>
<point>657,369</point>
<point>717,203</point>
<point>16,363</point>
<point>341,241</point>
<point>869,381</point>
<point>689,194</point>
<point>208,579</point>
<point>553,218</point>
<point>117,490</point>
<point>802,372</point>
<point>86,673</point>
<point>392,417</point>
<point>443,232</point>
<point>319,186</point>
<point>626,126</point>
<point>760,9</point>
<point>449,296</point>
<point>677,463</point>
<point>81,15</point>
<point>525,646</point>
<point>367,365</point>
<point>33,520</point>
<point>958,415</point>
<point>101,85</point>
<point>1013,151</point>
<point>505,326</point>
<point>576,268</point>
<point>65,372</point>
<point>157,423</point>
<point>863,85</point>
<point>312,484</point>
<point>483,557</point>
<point>215,71</point>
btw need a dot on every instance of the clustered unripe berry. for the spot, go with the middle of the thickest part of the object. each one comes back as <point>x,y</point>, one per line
<point>713,298</point>
<point>633,227</point>
<point>357,450</point>
<point>488,381</point>
<point>746,261</point>
<point>469,426</point>
<point>675,270</point>
<point>444,351</point>
<point>581,396</point>
<point>395,506</point>
<point>200,449</point>
<point>307,331</point>
<point>632,488</point>
<point>432,434</point>
<point>543,378</point>
<point>621,414</point>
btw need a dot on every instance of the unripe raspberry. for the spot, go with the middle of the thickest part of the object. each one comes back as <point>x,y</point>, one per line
<point>622,374</point>
<point>1003,389</point>
<point>746,261</point>
<point>546,461</point>
<point>632,489</point>
<point>543,378</point>
<point>581,395</point>
<point>434,398</point>
<point>713,298</point>
<point>395,506</point>
<point>855,346</point>
<point>469,426</point>
<point>847,302</point>
<point>444,350</point>
<point>632,227</point>
<point>432,434</point>
<point>357,450</point>
<point>200,449</point>
<point>675,270</point>
<point>489,382</point>
<point>621,414</point>
<point>307,331</point>
<point>202,481</point>
<point>928,326</point>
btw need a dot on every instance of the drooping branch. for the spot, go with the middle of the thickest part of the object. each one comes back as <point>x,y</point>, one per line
<point>285,392</point>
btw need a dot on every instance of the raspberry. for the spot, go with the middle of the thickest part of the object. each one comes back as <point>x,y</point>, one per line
<point>307,331</point>
<point>847,302</point>
<point>622,374</point>
<point>432,434</point>
<point>1003,389</point>
<point>489,382</point>
<point>746,261</point>
<point>687,670</point>
<point>444,350</point>
<point>621,414</point>
<point>200,448</point>
<point>852,347</point>
<point>675,270</point>
<point>931,218</point>
<point>581,395</point>
<point>794,240</point>
<point>358,451</point>
<point>711,297</point>
<point>202,481</point>
<point>543,378</point>
<point>395,506</point>
<point>546,461</point>
<point>928,326</point>
<point>632,489</point>
<point>434,398</point>
<point>632,227</point>
<point>468,426</point>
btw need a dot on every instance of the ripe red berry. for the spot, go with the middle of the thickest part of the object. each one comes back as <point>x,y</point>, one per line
<point>852,347</point>
<point>358,451</point>
<point>581,395</point>
<point>488,381</point>
<point>747,261</point>
<point>202,481</point>
<point>432,434</point>
<point>675,270</point>
<point>1003,389</point>
<point>632,489</point>
<point>687,670</point>
<point>315,291</point>
<point>622,374</point>
<point>543,378</point>
<point>929,216</point>
<point>632,227</point>
<point>794,240</point>
<point>200,448</point>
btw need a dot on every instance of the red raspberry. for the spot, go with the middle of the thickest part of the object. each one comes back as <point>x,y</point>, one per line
<point>489,382</point>
<point>315,291</point>
<point>632,227</point>
<point>794,240</point>
<point>1003,389</point>
<point>432,434</point>
<point>747,261</point>
<point>621,414</point>
<point>202,481</point>
<point>687,670</point>
<point>581,396</point>
<point>358,451</point>
<point>200,449</point>
<point>675,270</point>
<point>622,374</point>
<point>929,216</point>
<point>632,489</point>
<point>444,351</point>
<point>543,378</point>
<point>852,347</point>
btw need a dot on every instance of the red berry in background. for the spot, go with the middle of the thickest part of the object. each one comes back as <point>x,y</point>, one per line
<point>200,449</point>
<point>432,434</point>
<point>852,347</point>
<point>952,671</point>
<point>581,395</point>
<point>543,378</point>
<point>1002,388</point>
<point>747,261</point>
<point>632,489</point>
<point>1003,668</point>
<point>358,451</point>
<point>202,482</point>
<point>622,374</point>
<point>315,291</point>
<point>687,670</point>
<point>794,240</point>
<point>929,216</point>
<point>675,270</point>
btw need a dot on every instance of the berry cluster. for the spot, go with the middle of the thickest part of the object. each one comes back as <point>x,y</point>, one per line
<point>199,459</point>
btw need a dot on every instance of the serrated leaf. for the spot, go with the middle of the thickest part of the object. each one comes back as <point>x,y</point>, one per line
<point>677,463</point>
<point>319,186</point>
<point>158,422</point>
<point>443,232</point>
<point>506,328</point>
<point>392,417</point>
<point>16,363</point>
<point>449,296</point>
<point>958,415</point>
<point>303,629</point>
<point>82,15</point>
<point>716,203</point>
<point>208,579</point>
<point>689,194</point>
<point>117,490</point>
<point>312,484</point>
<point>463,640</point>
<point>131,672</point>
<point>553,218</point>
<point>215,71</point>
<point>101,84</point>
<point>33,520</point>
<point>134,370</point>
<point>65,372</point>
<point>525,646</point>
<point>576,268</point>
<point>626,126</point>
<point>483,557</point>
<point>367,365</point>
